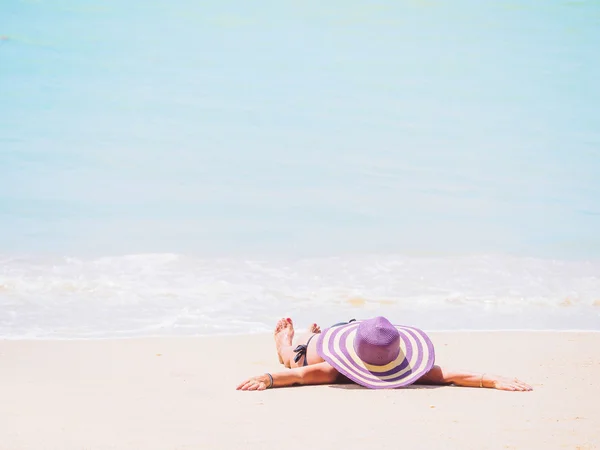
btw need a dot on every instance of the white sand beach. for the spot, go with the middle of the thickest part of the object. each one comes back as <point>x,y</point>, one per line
<point>179,393</point>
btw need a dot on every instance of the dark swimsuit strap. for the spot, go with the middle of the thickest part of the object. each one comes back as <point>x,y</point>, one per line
<point>301,349</point>
<point>343,323</point>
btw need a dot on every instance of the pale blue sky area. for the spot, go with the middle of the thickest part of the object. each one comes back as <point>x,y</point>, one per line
<point>293,127</point>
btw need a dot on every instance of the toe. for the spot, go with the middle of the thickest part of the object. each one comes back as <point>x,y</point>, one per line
<point>280,324</point>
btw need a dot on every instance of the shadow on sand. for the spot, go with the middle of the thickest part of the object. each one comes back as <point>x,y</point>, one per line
<point>352,386</point>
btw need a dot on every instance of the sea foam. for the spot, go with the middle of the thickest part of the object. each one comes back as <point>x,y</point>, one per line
<point>170,294</point>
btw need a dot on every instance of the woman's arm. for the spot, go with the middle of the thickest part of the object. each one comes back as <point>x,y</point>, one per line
<point>437,375</point>
<point>321,373</point>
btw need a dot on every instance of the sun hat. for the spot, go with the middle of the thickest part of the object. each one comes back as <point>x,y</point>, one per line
<point>376,354</point>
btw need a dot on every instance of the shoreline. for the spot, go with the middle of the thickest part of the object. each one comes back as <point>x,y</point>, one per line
<point>269,333</point>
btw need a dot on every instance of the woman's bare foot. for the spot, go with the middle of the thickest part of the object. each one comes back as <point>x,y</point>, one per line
<point>284,333</point>
<point>510,384</point>
<point>314,328</point>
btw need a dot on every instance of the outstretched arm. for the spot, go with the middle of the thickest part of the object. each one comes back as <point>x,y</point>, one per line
<point>321,373</point>
<point>437,375</point>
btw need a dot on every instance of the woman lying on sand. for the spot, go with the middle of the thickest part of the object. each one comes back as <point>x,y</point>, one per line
<point>373,353</point>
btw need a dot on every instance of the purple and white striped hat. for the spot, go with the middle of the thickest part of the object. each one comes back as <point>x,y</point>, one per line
<point>376,354</point>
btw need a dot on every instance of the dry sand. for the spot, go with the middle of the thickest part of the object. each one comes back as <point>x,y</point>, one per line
<point>179,393</point>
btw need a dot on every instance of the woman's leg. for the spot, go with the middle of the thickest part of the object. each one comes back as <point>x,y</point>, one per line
<point>284,335</point>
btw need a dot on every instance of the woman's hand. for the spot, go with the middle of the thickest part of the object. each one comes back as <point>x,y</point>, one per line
<point>510,384</point>
<point>258,383</point>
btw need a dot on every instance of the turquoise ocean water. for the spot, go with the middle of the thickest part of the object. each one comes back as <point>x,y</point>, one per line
<point>179,167</point>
